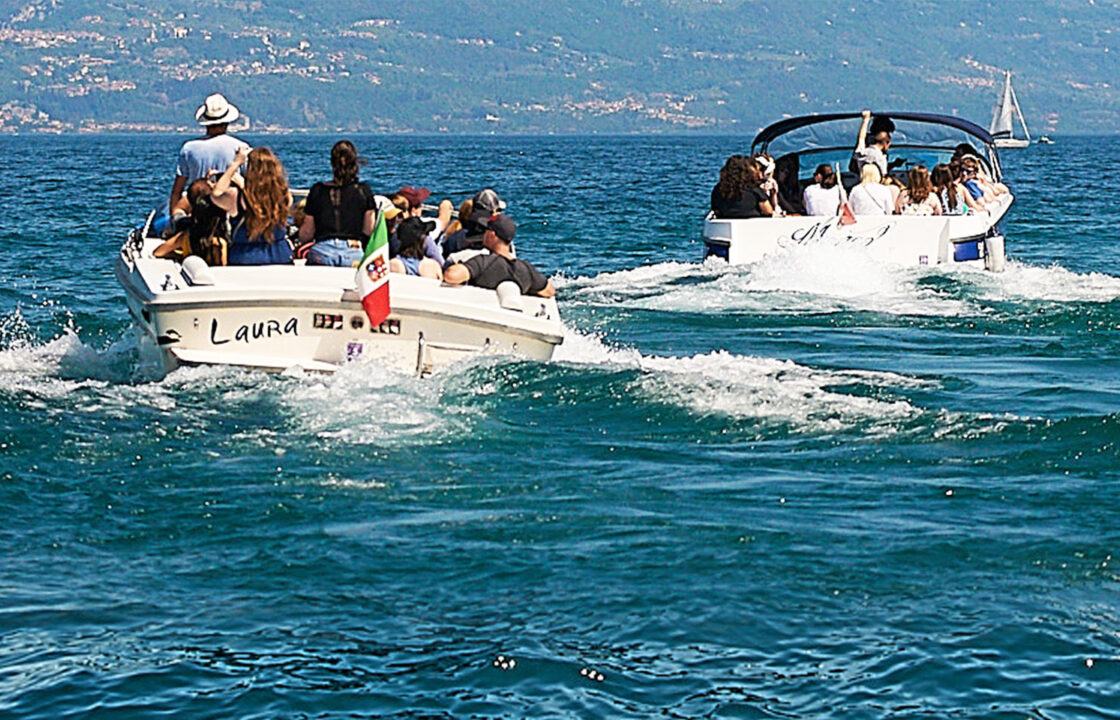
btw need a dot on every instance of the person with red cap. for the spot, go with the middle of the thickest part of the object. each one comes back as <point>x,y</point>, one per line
<point>414,200</point>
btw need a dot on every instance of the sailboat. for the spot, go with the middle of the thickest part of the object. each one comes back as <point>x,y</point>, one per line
<point>1003,129</point>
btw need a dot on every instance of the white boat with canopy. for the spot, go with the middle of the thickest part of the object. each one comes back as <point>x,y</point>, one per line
<point>276,317</point>
<point>1003,119</point>
<point>800,144</point>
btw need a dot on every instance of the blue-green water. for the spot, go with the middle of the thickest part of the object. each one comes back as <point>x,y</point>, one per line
<point>813,488</point>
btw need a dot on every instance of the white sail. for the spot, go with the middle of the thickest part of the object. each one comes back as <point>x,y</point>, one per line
<point>1005,113</point>
<point>1003,121</point>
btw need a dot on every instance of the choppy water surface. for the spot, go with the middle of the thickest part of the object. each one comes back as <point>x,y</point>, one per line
<point>813,488</point>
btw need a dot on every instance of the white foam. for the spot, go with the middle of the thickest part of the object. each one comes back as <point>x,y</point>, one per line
<point>765,389</point>
<point>1052,283</point>
<point>743,387</point>
<point>365,404</point>
<point>798,279</point>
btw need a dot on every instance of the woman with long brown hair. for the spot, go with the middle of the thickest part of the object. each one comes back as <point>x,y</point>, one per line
<point>918,198</point>
<point>340,213</point>
<point>954,198</point>
<point>739,193</point>
<point>258,210</point>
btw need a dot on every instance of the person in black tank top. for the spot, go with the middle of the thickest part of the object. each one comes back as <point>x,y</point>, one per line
<point>340,213</point>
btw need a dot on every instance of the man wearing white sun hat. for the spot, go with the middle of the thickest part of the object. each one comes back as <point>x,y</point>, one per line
<point>200,157</point>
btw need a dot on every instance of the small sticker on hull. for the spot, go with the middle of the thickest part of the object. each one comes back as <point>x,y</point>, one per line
<point>389,327</point>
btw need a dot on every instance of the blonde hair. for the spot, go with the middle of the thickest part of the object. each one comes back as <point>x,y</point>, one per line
<point>265,194</point>
<point>870,173</point>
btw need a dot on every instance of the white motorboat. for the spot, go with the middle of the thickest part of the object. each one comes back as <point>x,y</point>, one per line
<point>276,317</point>
<point>1003,119</point>
<point>800,144</point>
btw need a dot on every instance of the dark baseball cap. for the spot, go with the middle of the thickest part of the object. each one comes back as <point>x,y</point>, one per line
<point>488,200</point>
<point>502,225</point>
<point>413,230</point>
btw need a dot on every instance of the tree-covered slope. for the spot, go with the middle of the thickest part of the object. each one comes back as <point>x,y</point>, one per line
<point>577,66</point>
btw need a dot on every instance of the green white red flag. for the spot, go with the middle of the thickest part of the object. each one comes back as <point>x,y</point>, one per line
<point>373,274</point>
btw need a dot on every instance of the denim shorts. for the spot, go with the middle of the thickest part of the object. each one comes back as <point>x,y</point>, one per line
<point>334,252</point>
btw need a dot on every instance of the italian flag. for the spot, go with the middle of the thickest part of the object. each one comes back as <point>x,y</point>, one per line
<point>373,274</point>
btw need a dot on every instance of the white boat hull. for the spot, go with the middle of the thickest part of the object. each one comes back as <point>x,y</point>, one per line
<point>289,316</point>
<point>1005,143</point>
<point>892,239</point>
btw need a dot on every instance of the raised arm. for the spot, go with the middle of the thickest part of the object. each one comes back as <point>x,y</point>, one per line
<point>225,192</point>
<point>861,141</point>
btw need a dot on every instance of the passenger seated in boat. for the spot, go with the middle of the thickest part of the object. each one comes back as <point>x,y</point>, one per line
<point>467,242</point>
<point>918,198</point>
<point>970,179</point>
<point>786,171</point>
<point>871,196</point>
<point>412,201</point>
<point>412,233</point>
<point>823,196</point>
<point>339,214</point>
<point>769,184</point>
<point>990,187</point>
<point>465,209</point>
<point>259,212</point>
<point>949,192</point>
<point>415,198</point>
<point>500,265</point>
<point>975,203</point>
<point>178,245</point>
<point>739,193</point>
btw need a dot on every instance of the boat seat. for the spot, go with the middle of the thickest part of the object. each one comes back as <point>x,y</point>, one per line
<point>509,296</point>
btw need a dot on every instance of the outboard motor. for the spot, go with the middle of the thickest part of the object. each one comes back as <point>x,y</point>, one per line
<point>994,255</point>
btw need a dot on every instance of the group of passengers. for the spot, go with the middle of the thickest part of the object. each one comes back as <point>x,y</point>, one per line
<point>237,206</point>
<point>751,187</point>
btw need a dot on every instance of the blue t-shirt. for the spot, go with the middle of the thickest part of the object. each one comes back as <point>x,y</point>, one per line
<point>973,189</point>
<point>202,156</point>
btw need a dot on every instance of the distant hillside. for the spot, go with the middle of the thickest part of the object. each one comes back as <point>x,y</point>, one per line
<point>579,66</point>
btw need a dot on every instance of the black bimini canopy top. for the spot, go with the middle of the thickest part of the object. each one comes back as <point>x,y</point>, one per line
<point>790,124</point>
<point>835,131</point>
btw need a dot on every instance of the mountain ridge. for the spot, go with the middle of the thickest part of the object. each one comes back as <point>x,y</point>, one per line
<point>634,66</point>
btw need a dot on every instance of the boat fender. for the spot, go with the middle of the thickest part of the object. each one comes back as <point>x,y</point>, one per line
<point>509,295</point>
<point>994,253</point>
<point>196,271</point>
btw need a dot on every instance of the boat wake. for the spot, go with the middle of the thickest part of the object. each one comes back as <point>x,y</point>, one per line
<point>737,386</point>
<point>832,280</point>
<point>718,395</point>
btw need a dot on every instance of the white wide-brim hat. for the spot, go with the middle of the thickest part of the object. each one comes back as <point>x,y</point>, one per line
<point>216,110</point>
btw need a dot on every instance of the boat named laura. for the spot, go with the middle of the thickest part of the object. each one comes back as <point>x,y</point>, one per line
<point>800,144</point>
<point>276,317</point>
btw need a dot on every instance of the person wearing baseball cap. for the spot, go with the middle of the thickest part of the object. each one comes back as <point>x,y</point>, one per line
<point>212,153</point>
<point>415,197</point>
<point>500,264</point>
<point>467,241</point>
